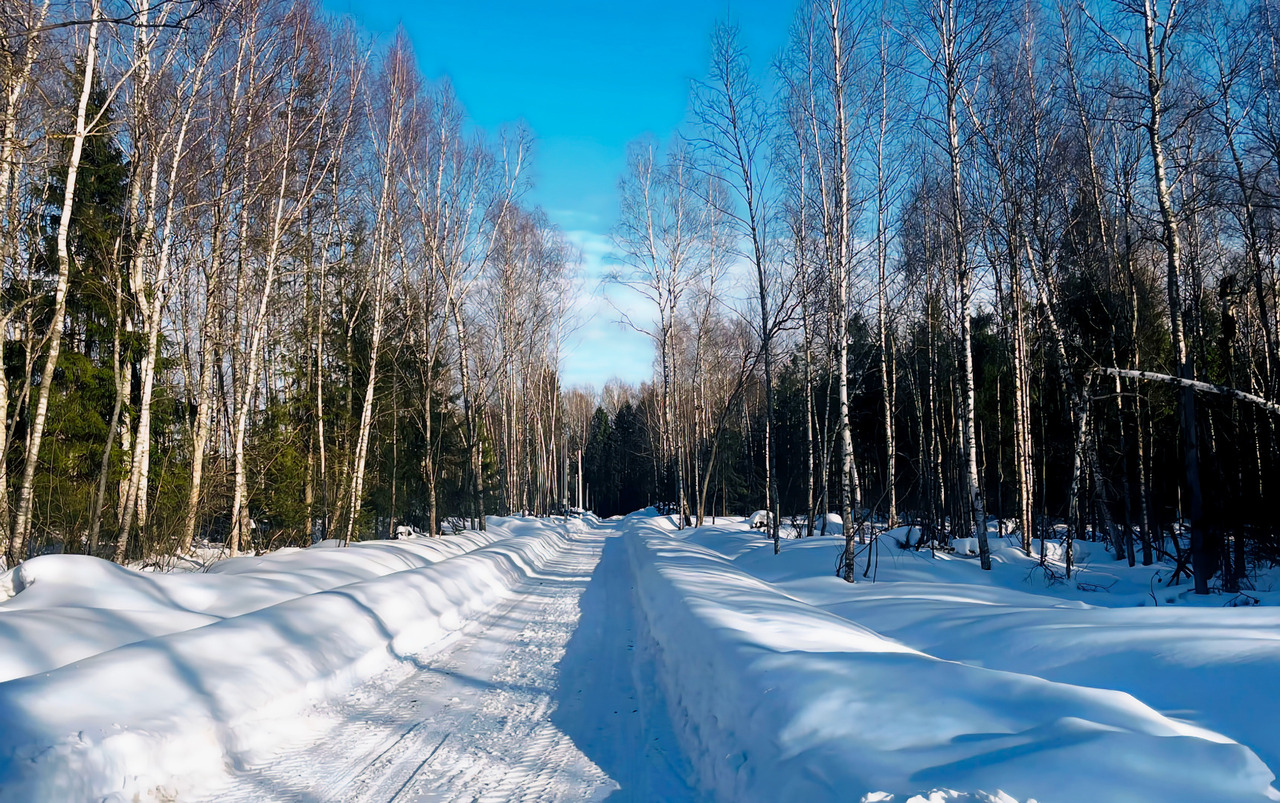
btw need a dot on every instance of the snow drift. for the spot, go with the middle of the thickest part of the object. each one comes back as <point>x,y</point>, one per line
<point>1195,658</point>
<point>130,722</point>
<point>64,608</point>
<point>776,699</point>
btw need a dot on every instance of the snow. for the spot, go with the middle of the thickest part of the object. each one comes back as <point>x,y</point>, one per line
<point>534,700</point>
<point>1200,664</point>
<point>943,677</point>
<point>574,659</point>
<point>58,609</point>
<point>170,710</point>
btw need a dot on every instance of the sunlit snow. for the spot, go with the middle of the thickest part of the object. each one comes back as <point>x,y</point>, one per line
<point>556,659</point>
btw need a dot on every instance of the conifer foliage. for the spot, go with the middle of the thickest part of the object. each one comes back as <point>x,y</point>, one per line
<point>256,272</point>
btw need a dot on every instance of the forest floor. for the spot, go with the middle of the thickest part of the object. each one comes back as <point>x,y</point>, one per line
<point>581,659</point>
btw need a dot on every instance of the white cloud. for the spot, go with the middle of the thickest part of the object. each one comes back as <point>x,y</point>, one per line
<point>603,347</point>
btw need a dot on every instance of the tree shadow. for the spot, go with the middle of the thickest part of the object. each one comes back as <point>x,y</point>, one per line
<point>606,697</point>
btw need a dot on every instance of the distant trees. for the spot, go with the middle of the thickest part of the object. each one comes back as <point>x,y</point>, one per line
<point>254,273</point>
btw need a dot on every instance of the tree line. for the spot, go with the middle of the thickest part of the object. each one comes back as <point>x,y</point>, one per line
<point>263,283</point>
<point>945,261</point>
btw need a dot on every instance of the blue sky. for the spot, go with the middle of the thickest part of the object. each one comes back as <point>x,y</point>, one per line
<point>587,77</point>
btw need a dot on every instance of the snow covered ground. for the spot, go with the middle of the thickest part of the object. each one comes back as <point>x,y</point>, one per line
<point>1002,683</point>
<point>222,665</point>
<point>583,660</point>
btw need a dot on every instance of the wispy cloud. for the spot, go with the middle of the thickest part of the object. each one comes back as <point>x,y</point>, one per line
<point>604,347</point>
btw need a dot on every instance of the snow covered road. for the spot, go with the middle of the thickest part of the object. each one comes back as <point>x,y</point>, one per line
<point>502,713</point>
<point>554,660</point>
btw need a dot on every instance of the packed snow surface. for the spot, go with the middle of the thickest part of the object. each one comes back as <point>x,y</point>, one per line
<point>577,659</point>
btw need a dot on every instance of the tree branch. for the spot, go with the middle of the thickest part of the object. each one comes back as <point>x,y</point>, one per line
<point>1203,387</point>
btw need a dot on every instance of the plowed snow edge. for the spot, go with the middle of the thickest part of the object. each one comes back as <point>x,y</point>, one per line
<point>177,710</point>
<point>775,699</point>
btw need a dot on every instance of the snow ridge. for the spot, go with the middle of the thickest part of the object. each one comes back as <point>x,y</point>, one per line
<point>775,699</point>
<point>211,698</point>
<point>65,608</point>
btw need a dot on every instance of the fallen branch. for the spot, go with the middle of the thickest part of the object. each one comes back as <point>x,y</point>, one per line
<point>1204,387</point>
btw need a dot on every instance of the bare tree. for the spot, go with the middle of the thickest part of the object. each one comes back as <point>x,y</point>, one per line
<point>297,168</point>
<point>956,35</point>
<point>737,132</point>
<point>18,59</point>
<point>22,524</point>
<point>1151,54</point>
<point>662,241</point>
<point>389,129</point>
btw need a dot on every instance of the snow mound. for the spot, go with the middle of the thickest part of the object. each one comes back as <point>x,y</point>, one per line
<point>776,699</point>
<point>148,719</point>
<point>65,608</point>
<point>1197,659</point>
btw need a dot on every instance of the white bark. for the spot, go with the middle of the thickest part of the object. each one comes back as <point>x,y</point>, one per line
<point>22,525</point>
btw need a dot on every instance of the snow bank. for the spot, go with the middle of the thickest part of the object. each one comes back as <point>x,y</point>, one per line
<point>1209,665</point>
<point>128,723</point>
<point>65,608</point>
<point>775,699</point>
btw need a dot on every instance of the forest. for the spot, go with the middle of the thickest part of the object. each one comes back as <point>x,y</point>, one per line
<point>938,262</point>
<point>1010,260</point>
<point>263,283</point>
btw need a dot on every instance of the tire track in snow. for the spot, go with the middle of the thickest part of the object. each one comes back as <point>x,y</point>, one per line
<point>471,723</point>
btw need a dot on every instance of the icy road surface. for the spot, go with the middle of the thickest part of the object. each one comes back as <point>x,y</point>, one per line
<point>504,712</point>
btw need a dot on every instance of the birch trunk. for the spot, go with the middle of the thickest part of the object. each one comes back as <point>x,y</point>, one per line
<point>240,523</point>
<point>887,382</point>
<point>1156,65</point>
<point>213,287</point>
<point>154,318</point>
<point>22,524</point>
<point>949,25</point>
<point>381,256</point>
<point>468,416</point>
<point>850,489</point>
<point>15,89</point>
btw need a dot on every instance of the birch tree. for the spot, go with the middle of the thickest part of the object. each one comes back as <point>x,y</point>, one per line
<point>22,523</point>
<point>662,240</point>
<point>1151,54</point>
<point>956,36</point>
<point>737,133</point>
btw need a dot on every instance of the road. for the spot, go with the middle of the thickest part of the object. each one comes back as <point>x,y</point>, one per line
<point>545,698</point>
